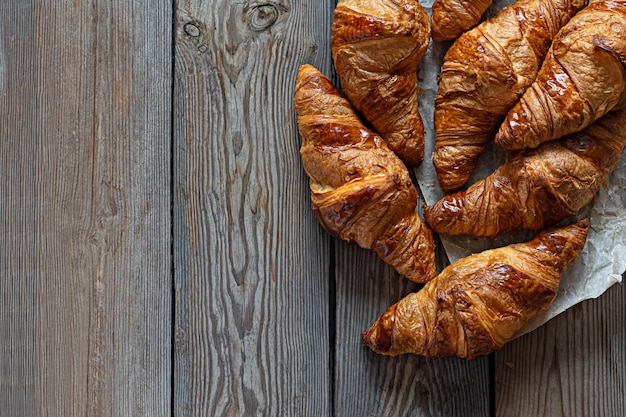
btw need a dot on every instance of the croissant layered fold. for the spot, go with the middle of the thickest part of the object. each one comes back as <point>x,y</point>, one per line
<point>360,190</point>
<point>478,303</point>
<point>450,18</point>
<point>376,46</point>
<point>535,188</point>
<point>483,75</point>
<point>581,79</point>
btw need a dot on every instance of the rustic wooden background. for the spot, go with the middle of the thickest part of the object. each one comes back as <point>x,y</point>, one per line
<point>159,256</point>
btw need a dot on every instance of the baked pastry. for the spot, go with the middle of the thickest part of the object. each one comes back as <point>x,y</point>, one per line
<point>478,303</point>
<point>581,79</point>
<point>361,192</point>
<point>483,75</point>
<point>535,188</point>
<point>450,18</point>
<point>376,46</point>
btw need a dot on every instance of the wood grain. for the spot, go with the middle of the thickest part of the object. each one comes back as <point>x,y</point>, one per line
<point>252,266</point>
<point>85,255</point>
<point>268,308</point>
<point>572,366</point>
<point>368,384</point>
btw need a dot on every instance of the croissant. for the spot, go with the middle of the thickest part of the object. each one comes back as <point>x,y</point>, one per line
<point>535,188</point>
<point>450,18</point>
<point>361,192</point>
<point>484,74</point>
<point>581,79</point>
<point>477,303</point>
<point>376,46</point>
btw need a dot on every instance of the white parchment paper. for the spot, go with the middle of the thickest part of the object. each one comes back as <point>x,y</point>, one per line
<point>603,260</point>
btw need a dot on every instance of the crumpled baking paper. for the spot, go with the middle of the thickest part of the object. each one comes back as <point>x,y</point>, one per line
<point>603,260</point>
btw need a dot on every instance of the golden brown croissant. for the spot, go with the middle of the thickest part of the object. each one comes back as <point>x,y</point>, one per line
<point>477,304</point>
<point>484,74</point>
<point>535,188</point>
<point>581,79</point>
<point>376,46</point>
<point>361,192</point>
<point>450,18</point>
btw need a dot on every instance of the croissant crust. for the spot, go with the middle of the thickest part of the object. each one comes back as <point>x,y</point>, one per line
<point>484,74</point>
<point>376,46</point>
<point>450,18</point>
<point>535,188</point>
<point>478,303</point>
<point>360,191</point>
<point>581,79</point>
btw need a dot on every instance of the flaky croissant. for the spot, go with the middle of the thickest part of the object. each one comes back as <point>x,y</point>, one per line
<point>484,74</point>
<point>361,192</point>
<point>450,18</point>
<point>535,188</point>
<point>478,303</point>
<point>376,46</point>
<point>581,79</point>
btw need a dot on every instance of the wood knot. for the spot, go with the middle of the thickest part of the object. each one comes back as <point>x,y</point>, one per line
<point>192,30</point>
<point>262,16</point>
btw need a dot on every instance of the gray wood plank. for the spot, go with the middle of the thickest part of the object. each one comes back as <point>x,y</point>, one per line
<point>17,295</point>
<point>252,266</point>
<point>368,384</point>
<point>85,293</point>
<point>574,365</point>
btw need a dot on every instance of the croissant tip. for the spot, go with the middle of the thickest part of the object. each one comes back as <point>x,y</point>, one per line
<point>379,337</point>
<point>502,141</point>
<point>368,339</point>
<point>365,335</point>
<point>583,223</point>
<point>373,340</point>
<point>307,70</point>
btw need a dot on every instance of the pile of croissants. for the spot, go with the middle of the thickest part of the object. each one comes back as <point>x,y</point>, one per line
<point>545,79</point>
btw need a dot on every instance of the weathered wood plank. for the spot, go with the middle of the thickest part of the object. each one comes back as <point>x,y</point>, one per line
<point>17,295</point>
<point>85,293</point>
<point>251,264</point>
<point>368,384</point>
<point>572,366</point>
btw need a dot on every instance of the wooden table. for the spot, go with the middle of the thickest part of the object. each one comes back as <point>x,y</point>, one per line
<point>159,255</point>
